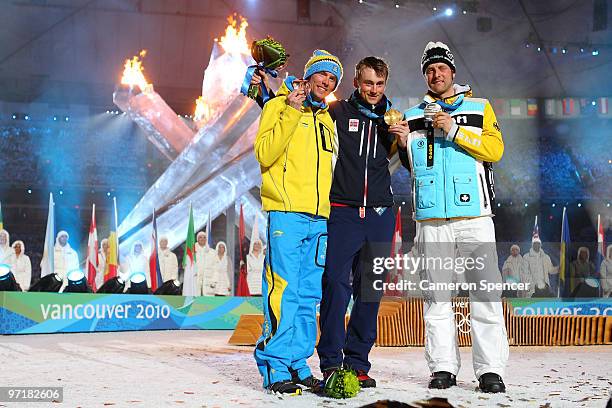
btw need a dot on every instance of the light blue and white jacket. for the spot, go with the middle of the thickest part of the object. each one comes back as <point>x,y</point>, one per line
<point>460,182</point>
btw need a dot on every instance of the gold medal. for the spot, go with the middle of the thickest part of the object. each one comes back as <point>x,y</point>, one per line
<point>392,116</point>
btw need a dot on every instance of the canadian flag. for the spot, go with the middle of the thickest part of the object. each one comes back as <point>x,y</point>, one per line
<point>92,251</point>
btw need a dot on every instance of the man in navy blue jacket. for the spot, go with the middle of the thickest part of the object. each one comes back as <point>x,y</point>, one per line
<point>361,222</point>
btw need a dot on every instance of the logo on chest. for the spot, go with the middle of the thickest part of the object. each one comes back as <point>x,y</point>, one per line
<point>353,125</point>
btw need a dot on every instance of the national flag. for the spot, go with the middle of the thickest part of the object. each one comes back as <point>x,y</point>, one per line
<point>47,263</point>
<point>500,106</point>
<point>92,251</point>
<point>396,248</point>
<point>603,106</point>
<point>568,106</point>
<point>154,268</point>
<point>189,259</point>
<point>242,288</point>
<point>1,220</point>
<point>564,256</point>
<point>550,107</point>
<point>112,263</point>
<point>532,107</point>
<point>518,107</point>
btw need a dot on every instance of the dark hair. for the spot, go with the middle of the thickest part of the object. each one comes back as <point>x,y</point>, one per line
<point>377,64</point>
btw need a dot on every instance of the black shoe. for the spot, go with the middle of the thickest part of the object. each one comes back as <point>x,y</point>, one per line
<point>365,380</point>
<point>285,388</point>
<point>311,382</point>
<point>491,382</point>
<point>442,379</point>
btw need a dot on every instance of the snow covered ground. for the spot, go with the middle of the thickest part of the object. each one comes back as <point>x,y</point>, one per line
<point>199,369</point>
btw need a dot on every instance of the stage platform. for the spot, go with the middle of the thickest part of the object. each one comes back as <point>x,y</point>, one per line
<point>199,368</point>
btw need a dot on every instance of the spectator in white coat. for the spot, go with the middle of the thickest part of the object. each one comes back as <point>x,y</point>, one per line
<point>65,259</point>
<point>136,262</point>
<point>606,273</point>
<point>221,271</point>
<point>102,257</point>
<point>255,261</point>
<point>20,265</point>
<point>5,248</point>
<point>204,255</point>
<point>538,266</point>
<point>168,263</point>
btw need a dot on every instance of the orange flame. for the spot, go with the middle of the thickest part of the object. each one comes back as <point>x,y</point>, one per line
<point>202,110</point>
<point>330,98</point>
<point>234,41</point>
<point>133,72</point>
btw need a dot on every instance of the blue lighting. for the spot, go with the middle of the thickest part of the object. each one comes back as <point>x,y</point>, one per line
<point>66,118</point>
<point>108,194</point>
<point>579,204</point>
<point>29,191</point>
<point>55,118</point>
<point>27,117</point>
<point>595,53</point>
<point>448,12</point>
<point>553,205</point>
<point>61,192</point>
<point>14,116</point>
<point>526,205</point>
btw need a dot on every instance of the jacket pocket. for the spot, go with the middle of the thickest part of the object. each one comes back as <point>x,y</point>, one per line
<point>425,192</point>
<point>465,188</point>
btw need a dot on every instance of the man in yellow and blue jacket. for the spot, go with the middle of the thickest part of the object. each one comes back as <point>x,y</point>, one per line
<point>449,155</point>
<point>294,147</point>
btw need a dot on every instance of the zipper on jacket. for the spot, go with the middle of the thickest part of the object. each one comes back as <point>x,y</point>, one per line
<point>365,176</point>
<point>284,171</point>
<point>443,172</point>
<point>314,117</point>
<point>484,193</point>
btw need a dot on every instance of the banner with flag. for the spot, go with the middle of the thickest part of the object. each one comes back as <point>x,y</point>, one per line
<point>518,107</point>
<point>47,262</point>
<point>242,288</point>
<point>568,107</point>
<point>550,107</point>
<point>564,256</point>
<point>396,248</point>
<point>532,107</point>
<point>189,259</point>
<point>154,268</point>
<point>112,263</point>
<point>601,248</point>
<point>500,106</point>
<point>92,251</point>
<point>602,106</point>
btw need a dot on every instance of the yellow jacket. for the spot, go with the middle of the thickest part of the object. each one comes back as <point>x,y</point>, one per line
<point>294,150</point>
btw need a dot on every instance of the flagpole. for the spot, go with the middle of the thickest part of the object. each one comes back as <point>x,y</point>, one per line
<point>600,250</point>
<point>563,255</point>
